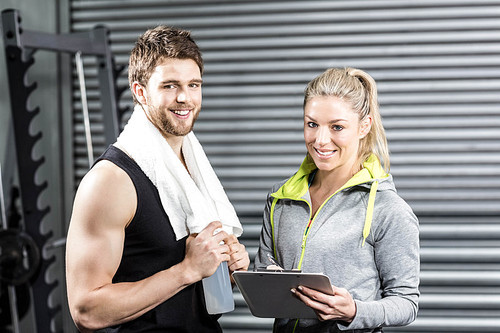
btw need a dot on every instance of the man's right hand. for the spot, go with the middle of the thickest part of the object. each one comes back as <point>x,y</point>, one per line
<point>205,251</point>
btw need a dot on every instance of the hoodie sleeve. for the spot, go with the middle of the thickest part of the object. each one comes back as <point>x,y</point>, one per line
<point>266,238</point>
<point>396,246</point>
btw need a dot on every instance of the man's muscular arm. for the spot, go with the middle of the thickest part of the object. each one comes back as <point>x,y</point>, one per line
<point>104,205</point>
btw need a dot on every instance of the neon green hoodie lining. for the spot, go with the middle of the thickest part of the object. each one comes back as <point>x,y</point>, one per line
<point>297,186</point>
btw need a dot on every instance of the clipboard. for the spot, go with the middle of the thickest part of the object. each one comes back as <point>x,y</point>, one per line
<point>268,294</point>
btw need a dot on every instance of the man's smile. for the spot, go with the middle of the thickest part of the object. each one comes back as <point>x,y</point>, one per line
<point>181,113</point>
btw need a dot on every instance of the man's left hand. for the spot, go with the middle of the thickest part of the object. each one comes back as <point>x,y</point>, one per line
<point>239,260</point>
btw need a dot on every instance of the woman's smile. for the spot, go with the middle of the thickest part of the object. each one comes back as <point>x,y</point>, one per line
<point>324,153</point>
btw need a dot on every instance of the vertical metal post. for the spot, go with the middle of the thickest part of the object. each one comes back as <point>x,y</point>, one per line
<point>11,289</point>
<point>85,109</point>
<point>105,73</point>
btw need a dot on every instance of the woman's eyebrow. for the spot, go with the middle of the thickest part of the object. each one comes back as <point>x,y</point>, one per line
<point>330,122</point>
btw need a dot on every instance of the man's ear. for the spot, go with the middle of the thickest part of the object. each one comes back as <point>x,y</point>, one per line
<point>365,126</point>
<point>140,93</point>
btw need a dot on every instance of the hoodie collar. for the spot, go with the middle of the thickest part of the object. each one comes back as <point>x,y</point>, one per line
<point>297,186</point>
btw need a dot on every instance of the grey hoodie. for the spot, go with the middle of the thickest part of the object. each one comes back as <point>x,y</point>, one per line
<point>380,268</point>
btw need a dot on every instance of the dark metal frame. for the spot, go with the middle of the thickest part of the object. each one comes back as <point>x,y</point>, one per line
<point>20,45</point>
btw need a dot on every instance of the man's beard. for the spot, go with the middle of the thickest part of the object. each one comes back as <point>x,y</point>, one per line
<point>165,125</point>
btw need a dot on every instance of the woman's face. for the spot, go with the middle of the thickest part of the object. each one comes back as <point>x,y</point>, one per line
<point>332,132</point>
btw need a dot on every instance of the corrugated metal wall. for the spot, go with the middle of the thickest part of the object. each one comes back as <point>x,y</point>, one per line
<point>437,64</point>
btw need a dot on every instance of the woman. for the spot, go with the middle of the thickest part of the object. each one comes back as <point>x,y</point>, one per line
<point>340,215</point>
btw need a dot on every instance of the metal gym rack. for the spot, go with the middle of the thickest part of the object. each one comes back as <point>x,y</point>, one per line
<point>19,244</point>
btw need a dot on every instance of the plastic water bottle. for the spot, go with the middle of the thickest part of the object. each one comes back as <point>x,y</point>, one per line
<point>218,291</point>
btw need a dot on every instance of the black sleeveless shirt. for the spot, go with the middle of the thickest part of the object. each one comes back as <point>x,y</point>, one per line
<point>150,246</point>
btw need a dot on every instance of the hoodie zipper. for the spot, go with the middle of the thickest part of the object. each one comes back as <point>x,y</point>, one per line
<point>311,219</point>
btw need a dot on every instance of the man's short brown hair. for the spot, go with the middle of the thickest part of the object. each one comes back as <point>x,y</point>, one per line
<point>157,44</point>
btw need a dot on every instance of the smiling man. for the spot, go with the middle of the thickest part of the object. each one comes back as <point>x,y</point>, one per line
<point>146,218</point>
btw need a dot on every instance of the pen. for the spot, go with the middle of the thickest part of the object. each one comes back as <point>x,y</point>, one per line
<point>273,261</point>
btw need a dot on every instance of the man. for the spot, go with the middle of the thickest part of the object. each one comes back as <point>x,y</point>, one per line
<point>139,244</point>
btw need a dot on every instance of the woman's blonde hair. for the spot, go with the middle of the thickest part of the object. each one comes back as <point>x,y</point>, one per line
<point>359,89</point>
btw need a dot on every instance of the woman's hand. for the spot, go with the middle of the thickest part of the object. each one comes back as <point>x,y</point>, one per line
<point>339,306</point>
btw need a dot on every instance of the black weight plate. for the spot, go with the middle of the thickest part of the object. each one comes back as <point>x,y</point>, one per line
<point>19,257</point>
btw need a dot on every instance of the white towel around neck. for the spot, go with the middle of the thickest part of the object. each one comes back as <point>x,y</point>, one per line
<point>191,200</point>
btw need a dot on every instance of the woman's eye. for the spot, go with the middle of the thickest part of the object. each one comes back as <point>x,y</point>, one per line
<point>311,125</point>
<point>337,128</point>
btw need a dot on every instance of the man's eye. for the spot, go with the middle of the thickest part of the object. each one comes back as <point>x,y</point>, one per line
<point>194,85</point>
<point>169,86</point>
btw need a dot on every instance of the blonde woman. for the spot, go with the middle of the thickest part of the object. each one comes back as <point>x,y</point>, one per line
<point>340,215</point>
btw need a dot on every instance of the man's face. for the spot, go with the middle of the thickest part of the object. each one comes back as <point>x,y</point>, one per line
<point>174,96</point>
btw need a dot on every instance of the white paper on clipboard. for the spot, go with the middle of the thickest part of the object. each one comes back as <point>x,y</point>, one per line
<point>268,294</point>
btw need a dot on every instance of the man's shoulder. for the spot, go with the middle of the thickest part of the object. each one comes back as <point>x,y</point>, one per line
<point>106,176</point>
<point>106,171</point>
<point>108,191</point>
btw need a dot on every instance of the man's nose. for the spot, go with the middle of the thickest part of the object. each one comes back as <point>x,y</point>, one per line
<point>183,95</point>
